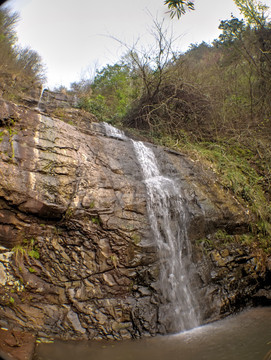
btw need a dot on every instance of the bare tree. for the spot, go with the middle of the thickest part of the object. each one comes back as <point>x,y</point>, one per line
<point>166,102</point>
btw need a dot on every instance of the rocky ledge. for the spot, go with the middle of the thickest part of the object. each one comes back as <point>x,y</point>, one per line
<point>78,259</point>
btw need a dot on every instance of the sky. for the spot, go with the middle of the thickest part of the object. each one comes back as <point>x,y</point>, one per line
<point>74,38</point>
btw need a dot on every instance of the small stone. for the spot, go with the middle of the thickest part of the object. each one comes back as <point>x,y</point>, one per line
<point>144,291</point>
<point>74,320</point>
<point>109,280</point>
<point>224,253</point>
<point>5,257</point>
<point>3,276</point>
<point>100,317</point>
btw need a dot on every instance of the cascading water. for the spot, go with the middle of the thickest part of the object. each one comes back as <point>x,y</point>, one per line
<point>111,131</point>
<point>41,95</point>
<point>168,222</point>
<point>167,216</point>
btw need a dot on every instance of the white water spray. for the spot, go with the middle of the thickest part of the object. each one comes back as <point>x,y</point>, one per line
<point>43,88</point>
<point>113,132</point>
<point>168,222</point>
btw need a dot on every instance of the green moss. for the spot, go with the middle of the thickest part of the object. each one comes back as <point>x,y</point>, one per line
<point>28,248</point>
<point>92,205</point>
<point>96,220</point>
<point>2,133</point>
<point>216,241</point>
<point>34,254</point>
<point>11,301</point>
<point>223,236</point>
<point>59,113</point>
<point>69,213</point>
<point>136,239</point>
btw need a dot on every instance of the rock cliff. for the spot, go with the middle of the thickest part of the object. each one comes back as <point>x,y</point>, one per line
<point>77,257</point>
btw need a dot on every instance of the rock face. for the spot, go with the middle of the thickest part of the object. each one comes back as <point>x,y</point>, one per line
<point>16,345</point>
<point>77,257</point>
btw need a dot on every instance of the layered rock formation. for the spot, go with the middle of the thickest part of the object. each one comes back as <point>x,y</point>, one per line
<point>78,258</point>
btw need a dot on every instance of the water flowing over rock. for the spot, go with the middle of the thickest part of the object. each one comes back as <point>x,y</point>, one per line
<point>113,132</point>
<point>168,221</point>
<point>79,254</point>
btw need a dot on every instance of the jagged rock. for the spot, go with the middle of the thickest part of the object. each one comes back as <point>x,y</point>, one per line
<point>16,345</point>
<point>232,278</point>
<point>57,99</point>
<point>78,258</point>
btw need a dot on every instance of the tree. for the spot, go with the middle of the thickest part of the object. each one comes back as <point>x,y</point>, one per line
<point>110,93</point>
<point>20,67</point>
<point>8,22</point>
<point>152,63</point>
<point>232,30</point>
<point>179,7</point>
<point>255,12</point>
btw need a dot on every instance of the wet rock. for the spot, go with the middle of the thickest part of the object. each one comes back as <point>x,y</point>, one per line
<point>16,345</point>
<point>78,258</point>
<point>238,278</point>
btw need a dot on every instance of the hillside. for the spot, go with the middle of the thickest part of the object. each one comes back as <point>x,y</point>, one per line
<point>213,103</point>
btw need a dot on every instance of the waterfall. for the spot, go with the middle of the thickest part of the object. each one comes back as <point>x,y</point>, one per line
<point>168,222</point>
<point>113,132</point>
<point>43,88</point>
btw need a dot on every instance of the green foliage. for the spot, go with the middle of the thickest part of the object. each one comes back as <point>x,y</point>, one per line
<point>69,213</point>
<point>96,220</point>
<point>95,105</point>
<point>110,94</point>
<point>34,254</point>
<point>19,252</point>
<point>241,172</point>
<point>232,30</point>
<point>179,7</point>
<point>141,73</point>
<point>235,74</point>
<point>254,11</point>
<point>27,249</point>
<point>213,102</point>
<point>92,205</point>
<point>11,301</point>
<point>234,165</point>
<point>217,240</point>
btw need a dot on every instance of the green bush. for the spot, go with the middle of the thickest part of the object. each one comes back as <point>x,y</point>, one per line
<point>110,94</point>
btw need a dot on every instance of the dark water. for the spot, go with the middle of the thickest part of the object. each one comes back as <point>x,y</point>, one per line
<point>246,336</point>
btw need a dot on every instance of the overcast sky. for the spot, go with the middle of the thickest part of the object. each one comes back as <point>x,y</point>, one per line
<point>73,36</point>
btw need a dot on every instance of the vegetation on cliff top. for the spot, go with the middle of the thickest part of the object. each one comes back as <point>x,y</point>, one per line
<point>213,102</point>
<point>21,69</point>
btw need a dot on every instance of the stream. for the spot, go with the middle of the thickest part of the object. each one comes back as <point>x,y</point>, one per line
<point>246,336</point>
